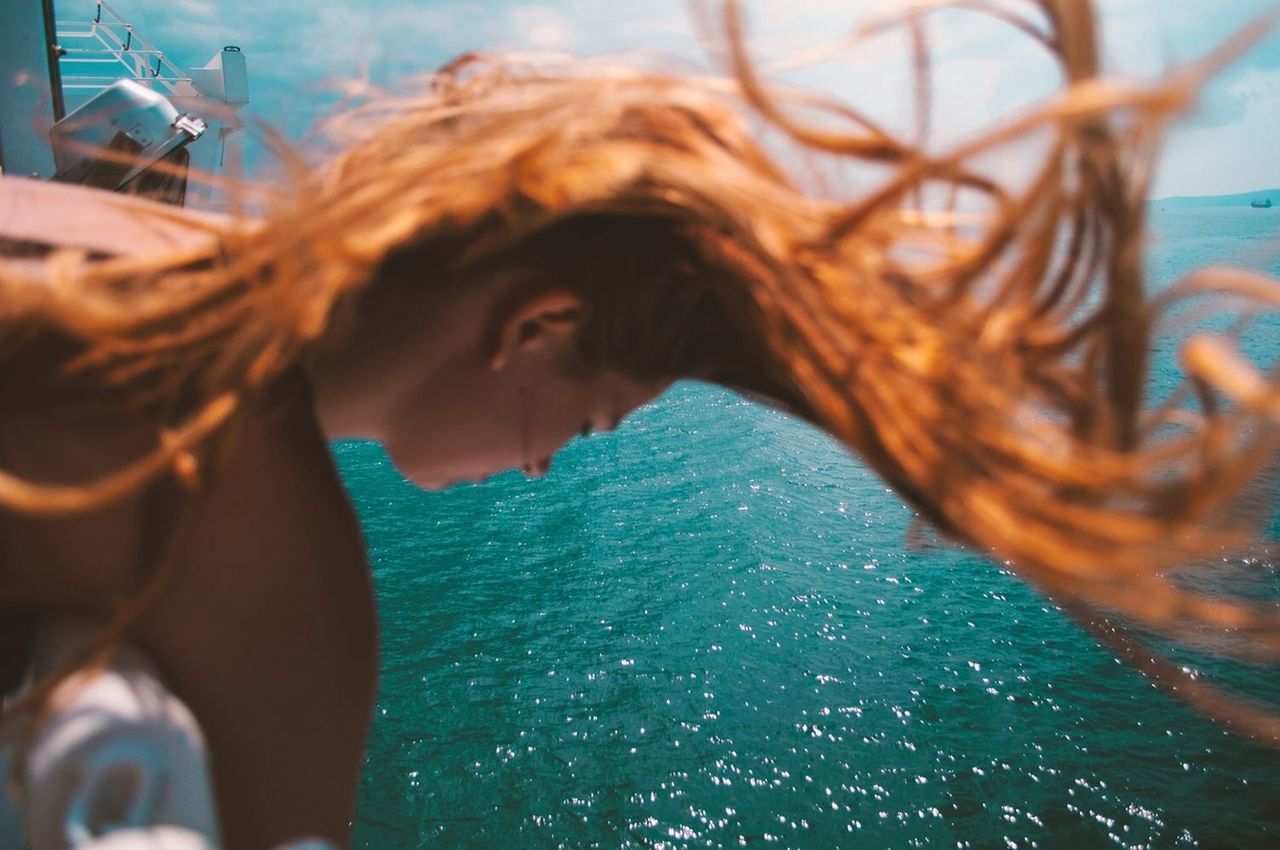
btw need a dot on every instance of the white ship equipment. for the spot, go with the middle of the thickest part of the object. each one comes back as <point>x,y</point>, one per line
<point>94,102</point>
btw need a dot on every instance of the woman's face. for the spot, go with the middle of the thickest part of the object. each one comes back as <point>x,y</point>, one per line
<point>509,422</point>
<point>504,389</point>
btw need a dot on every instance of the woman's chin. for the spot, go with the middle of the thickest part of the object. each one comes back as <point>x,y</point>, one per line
<point>435,484</point>
<point>431,483</point>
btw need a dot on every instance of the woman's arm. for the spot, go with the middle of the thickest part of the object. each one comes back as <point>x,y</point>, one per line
<point>268,634</point>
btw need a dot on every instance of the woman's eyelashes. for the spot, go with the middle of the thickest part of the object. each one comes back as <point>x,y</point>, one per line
<point>585,430</point>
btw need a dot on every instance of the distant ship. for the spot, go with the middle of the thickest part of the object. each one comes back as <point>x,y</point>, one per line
<point>1261,205</point>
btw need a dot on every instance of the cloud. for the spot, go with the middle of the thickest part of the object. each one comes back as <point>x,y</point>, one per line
<point>1256,86</point>
<point>541,27</point>
<point>1231,96</point>
<point>188,9</point>
<point>1240,156</point>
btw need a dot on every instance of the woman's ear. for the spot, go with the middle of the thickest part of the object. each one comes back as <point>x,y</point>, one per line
<point>546,320</point>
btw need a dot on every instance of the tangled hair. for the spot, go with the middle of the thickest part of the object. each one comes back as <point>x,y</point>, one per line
<point>983,346</point>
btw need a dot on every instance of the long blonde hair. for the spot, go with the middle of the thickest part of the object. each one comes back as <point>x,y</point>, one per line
<point>984,347</point>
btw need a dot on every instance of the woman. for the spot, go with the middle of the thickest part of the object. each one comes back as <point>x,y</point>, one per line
<point>525,253</point>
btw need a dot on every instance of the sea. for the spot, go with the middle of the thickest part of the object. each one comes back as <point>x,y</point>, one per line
<point>706,630</point>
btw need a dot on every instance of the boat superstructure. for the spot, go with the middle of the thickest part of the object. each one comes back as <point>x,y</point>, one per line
<point>92,101</point>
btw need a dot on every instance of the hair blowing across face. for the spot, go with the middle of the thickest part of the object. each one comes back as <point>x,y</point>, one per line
<point>982,346</point>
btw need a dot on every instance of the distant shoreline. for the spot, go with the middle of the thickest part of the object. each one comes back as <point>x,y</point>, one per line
<point>1241,199</point>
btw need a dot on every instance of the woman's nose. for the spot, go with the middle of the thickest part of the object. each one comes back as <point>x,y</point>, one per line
<point>537,468</point>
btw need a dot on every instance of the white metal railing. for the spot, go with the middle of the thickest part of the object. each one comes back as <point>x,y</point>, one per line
<point>110,40</point>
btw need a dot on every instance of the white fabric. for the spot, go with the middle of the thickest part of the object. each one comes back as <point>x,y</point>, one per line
<point>121,766</point>
<point>122,756</point>
<point>155,838</point>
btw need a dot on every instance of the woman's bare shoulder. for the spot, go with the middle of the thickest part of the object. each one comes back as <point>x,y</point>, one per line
<point>275,486</point>
<point>271,501</point>
<point>70,216</point>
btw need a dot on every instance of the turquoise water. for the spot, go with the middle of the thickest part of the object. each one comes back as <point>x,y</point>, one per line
<point>703,631</point>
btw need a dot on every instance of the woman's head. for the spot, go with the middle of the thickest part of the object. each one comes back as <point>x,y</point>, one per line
<point>474,374</point>
<point>564,333</point>
<point>639,195</point>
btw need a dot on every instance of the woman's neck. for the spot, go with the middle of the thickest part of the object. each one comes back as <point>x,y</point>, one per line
<point>392,341</point>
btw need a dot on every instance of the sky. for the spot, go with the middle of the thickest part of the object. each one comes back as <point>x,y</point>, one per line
<point>297,53</point>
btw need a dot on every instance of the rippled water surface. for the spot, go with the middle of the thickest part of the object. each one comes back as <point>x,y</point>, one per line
<point>705,630</point>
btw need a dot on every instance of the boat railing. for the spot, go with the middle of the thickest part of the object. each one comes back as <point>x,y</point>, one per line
<point>109,40</point>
